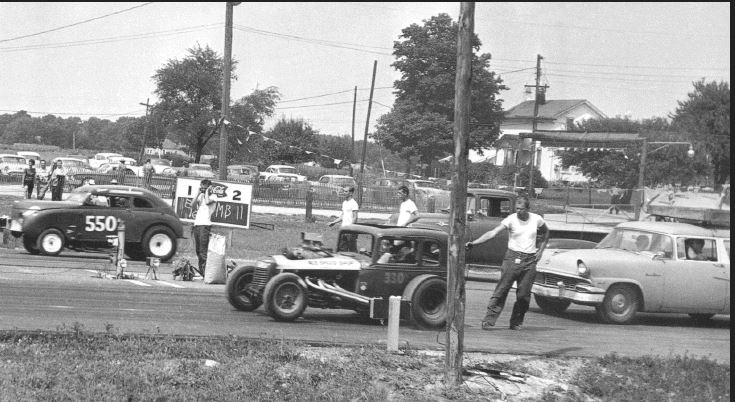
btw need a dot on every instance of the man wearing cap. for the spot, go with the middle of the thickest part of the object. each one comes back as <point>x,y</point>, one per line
<point>348,217</point>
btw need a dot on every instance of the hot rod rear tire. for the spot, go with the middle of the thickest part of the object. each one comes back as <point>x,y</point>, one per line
<point>237,290</point>
<point>284,297</point>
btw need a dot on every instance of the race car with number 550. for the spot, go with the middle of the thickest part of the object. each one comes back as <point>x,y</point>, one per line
<point>371,263</point>
<point>91,215</point>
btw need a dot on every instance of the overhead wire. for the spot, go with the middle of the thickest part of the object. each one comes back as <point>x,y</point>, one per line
<point>75,24</point>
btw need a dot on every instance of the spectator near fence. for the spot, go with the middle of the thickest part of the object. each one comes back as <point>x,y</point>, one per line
<point>29,178</point>
<point>615,195</point>
<point>121,172</point>
<point>147,173</point>
<point>57,180</point>
<point>42,178</point>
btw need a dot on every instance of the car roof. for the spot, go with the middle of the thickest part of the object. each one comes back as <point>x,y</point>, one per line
<point>66,158</point>
<point>114,189</point>
<point>281,166</point>
<point>338,176</point>
<point>674,228</point>
<point>490,191</point>
<point>13,155</point>
<point>241,166</point>
<point>379,230</point>
<point>108,154</point>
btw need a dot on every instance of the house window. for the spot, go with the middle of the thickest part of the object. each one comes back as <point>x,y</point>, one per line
<point>570,123</point>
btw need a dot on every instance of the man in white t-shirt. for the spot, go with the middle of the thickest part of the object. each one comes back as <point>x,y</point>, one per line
<point>349,208</point>
<point>347,241</point>
<point>202,205</point>
<point>519,263</point>
<point>407,212</point>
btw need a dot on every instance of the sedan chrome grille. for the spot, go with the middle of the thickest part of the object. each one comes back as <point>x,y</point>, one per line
<point>547,279</point>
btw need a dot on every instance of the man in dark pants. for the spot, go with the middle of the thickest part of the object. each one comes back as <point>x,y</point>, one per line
<point>519,263</point>
<point>202,206</point>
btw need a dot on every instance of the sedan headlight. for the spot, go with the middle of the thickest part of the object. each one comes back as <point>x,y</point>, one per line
<point>582,269</point>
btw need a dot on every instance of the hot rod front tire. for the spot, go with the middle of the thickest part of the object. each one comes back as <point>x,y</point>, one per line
<point>238,293</point>
<point>284,297</point>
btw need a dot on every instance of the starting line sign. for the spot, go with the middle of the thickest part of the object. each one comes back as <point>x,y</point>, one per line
<point>232,206</point>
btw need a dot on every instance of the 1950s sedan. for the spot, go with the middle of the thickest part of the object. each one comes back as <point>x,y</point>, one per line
<point>93,213</point>
<point>657,267</point>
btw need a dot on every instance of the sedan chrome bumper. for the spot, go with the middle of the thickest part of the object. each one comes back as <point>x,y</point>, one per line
<point>582,294</point>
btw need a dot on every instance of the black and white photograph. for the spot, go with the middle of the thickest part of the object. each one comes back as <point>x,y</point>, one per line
<point>365,201</point>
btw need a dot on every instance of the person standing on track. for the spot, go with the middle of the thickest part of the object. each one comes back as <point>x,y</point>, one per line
<point>519,263</point>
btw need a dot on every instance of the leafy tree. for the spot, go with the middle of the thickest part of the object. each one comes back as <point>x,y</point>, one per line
<point>420,123</point>
<point>247,114</point>
<point>705,117</point>
<point>286,143</point>
<point>190,93</point>
<point>620,167</point>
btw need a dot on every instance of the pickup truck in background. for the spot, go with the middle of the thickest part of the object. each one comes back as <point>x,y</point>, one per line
<point>486,208</point>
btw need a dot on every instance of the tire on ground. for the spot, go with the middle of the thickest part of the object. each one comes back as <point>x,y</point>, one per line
<point>50,242</point>
<point>237,289</point>
<point>30,245</point>
<point>160,242</point>
<point>620,305</point>
<point>428,296</point>
<point>135,251</point>
<point>550,305</point>
<point>284,297</point>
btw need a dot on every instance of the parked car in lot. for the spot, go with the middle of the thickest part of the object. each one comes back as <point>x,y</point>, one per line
<point>92,213</point>
<point>30,155</point>
<point>370,264</point>
<point>281,170</point>
<point>130,163</point>
<point>201,170</point>
<point>335,183</point>
<point>641,267</point>
<point>160,165</point>
<point>76,169</point>
<point>11,164</point>
<point>244,173</point>
<point>100,158</point>
<point>111,168</point>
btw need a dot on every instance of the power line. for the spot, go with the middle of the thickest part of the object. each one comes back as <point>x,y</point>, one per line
<point>639,66</point>
<point>108,39</point>
<point>322,104</point>
<point>77,114</point>
<point>328,94</point>
<point>75,24</point>
<point>341,45</point>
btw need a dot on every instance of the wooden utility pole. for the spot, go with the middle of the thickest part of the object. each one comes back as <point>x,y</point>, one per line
<point>458,214</point>
<point>535,123</point>
<point>367,126</point>
<point>226,92</point>
<point>354,108</point>
<point>145,130</point>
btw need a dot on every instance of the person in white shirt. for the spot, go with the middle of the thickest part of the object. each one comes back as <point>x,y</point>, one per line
<point>202,206</point>
<point>519,263</point>
<point>407,212</point>
<point>347,241</point>
<point>42,179</point>
<point>349,208</point>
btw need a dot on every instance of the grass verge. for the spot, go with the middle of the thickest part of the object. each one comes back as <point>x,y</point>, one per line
<point>75,364</point>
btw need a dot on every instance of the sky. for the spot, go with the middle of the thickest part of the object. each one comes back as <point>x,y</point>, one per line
<point>97,59</point>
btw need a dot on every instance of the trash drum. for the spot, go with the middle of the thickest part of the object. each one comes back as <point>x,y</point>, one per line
<point>216,270</point>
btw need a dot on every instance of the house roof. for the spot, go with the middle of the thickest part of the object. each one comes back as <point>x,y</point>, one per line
<point>551,109</point>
